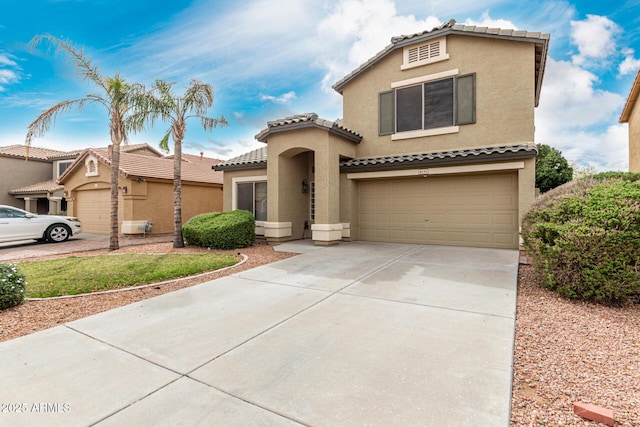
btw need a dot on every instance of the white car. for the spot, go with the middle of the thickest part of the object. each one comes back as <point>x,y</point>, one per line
<point>17,224</point>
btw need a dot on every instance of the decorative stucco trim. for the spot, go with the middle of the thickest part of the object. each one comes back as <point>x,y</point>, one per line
<point>277,229</point>
<point>425,78</point>
<point>326,233</point>
<point>422,133</point>
<point>485,167</point>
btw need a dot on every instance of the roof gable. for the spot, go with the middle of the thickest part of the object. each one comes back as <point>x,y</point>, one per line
<point>193,169</point>
<point>307,120</point>
<point>541,40</point>
<point>632,99</point>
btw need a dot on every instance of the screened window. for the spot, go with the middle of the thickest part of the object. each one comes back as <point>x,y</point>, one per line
<point>252,197</point>
<point>430,105</point>
<point>62,166</point>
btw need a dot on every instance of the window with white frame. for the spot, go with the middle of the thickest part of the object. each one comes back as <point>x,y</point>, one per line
<point>252,196</point>
<point>62,166</point>
<point>432,104</point>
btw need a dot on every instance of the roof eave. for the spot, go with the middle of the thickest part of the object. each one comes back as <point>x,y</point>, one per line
<point>631,100</point>
<point>262,136</point>
<point>447,161</point>
<point>240,166</point>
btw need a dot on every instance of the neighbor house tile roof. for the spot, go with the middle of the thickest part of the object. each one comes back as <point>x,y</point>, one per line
<point>632,100</point>
<point>194,168</point>
<point>307,120</point>
<point>541,40</point>
<point>40,187</point>
<point>36,153</point>
<point>406,161</point>
<point>255,159</point>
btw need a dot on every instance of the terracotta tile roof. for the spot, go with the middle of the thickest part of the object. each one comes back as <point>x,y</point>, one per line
<point>632,100</point>
<point>307,120</point>
<point>406,161</point>
<point>255,159</point>
<point>194,168</point>
<point>37,153</point>
<point>540,39</point>
<point>41,187</point>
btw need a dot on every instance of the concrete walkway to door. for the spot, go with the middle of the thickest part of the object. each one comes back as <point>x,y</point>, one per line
<point>356,334</point>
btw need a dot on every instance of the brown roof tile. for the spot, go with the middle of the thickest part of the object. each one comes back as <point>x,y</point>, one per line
<point>194,168</point>
<point>20,151</point>
<point>41,187</point>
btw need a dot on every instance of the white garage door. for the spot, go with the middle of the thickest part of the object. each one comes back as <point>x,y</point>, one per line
<point>462,210</point>
<point>92,208</point>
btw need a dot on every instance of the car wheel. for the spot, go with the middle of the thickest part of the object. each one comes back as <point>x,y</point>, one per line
<point>58,233</point>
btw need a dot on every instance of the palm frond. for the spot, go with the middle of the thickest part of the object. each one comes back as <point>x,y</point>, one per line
<point>86,68</point>
<point>48,118</point>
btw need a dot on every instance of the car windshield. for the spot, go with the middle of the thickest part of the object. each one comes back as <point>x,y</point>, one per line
<point>11,213</point>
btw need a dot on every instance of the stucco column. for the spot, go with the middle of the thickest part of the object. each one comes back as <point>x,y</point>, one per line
<point>327,229</point>
<point>275,228</point>
<point>31,204</point>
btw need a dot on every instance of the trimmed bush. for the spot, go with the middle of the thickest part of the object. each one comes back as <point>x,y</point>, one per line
<point>221,230</point>
<point>584,238</point>
<point>12,286</point>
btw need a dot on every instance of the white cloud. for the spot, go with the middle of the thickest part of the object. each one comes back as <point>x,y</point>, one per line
<point>9,71</point>
<point>6,60</point>
<point>361,28</point>
<point>630,64</point>
<point>594,37</point>
<point>487,21</point>
<point>7,77</point>
<point>573,117</point>
<point>285,98</point>
<point>569,98</point>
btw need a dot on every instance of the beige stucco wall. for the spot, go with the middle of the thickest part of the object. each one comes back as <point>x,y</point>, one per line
<point>504,97</point>
<point>634,140</point>
<point>17,173</point>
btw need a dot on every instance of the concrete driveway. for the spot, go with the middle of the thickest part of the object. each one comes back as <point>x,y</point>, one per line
<point>352,335</point>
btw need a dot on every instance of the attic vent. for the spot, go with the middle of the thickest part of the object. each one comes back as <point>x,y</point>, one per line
<point>427,53</point>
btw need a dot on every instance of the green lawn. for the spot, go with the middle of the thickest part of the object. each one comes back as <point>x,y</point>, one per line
<point>79,275</point>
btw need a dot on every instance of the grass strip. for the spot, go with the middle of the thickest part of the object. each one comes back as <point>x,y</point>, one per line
<point>79,275</point>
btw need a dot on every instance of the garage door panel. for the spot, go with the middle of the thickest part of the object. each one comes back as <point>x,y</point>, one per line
<point>467,210</point>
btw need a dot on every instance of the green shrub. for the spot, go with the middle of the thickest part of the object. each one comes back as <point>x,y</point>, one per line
<point>584,238</point>
<point>221,230</point>
<point>12,286</point>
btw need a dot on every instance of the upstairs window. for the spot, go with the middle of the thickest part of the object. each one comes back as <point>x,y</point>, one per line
<point>442,103</point>
<point>427,53</point>
<point>62,166</point>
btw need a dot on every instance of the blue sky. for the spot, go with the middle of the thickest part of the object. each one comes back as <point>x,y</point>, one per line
<point>269,59</point>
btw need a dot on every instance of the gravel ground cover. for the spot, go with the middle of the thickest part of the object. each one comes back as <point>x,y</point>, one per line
<point>565,351</point>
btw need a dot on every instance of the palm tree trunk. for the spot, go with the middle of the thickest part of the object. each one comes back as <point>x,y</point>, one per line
<point>178,241</point>
<point>113,218</point>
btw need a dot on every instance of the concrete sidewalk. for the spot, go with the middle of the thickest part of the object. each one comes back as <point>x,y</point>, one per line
<point>357,334</point>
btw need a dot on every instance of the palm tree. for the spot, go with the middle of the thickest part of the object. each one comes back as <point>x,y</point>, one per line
<point>122,100</point>
<point>197,99</point>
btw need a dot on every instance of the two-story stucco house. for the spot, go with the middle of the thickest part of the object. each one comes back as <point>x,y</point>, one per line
<point>631,115</point>
<point>436,146</point>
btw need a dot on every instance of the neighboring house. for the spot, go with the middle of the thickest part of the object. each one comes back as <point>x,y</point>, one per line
<point>436,147</point>
<point>631,115</point>
<point>28,178</point>
<point>145,189</point>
